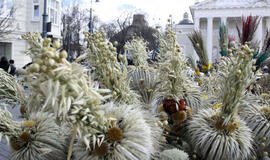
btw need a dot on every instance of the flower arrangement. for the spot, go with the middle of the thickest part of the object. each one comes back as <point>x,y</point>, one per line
<point>249,27</point>
<point>220,133</point>
<point>223,39</point>
<point>112,74</point>
<point>174,83</point>
<point>199,46</point>
<point>10,90</point>
<point>136,48</point>
<point>129,136</point>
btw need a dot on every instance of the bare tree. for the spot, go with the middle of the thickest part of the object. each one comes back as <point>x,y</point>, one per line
<point>110,29</point>
<point>128,28</point>
<point>6,19</point>
<point>74,22</point>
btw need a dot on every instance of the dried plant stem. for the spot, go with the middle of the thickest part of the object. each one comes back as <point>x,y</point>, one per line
<point>72,142</point>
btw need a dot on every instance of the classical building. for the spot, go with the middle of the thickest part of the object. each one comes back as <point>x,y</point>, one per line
<point>182,29</point>
<point>208,14</point>
<point>27,18</point>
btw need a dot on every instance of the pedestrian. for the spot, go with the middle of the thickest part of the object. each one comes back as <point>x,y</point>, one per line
<point>11,68</point>
<point>4,64</point>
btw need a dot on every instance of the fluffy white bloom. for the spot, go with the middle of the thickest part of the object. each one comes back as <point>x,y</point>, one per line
<point>173,154</point>
<point>41,139</point>
<point>139,139</point>
<point>257,118</point>
<point>212,143</point>
<point>145,82</point>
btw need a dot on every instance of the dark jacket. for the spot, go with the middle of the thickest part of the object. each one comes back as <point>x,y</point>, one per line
<point>12,69</point>
<point>4,65</point>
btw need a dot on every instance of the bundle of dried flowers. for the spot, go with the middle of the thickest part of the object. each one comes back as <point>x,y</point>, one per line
<point>40,138</point>
<point>129,136</point>
<point>8,127</point>
<point>249,27</point>
<point>222,134</point>
<point>10,90</point>
<point>109,72</point>
<point>136,48</point>
<point>197,41</point>
<point>175,86</point>
<point>223,39</point>
<point>65,89</point>
<point>257,118</point>
<point>144,81</point>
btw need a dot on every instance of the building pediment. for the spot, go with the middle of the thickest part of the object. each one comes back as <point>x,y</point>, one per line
<point>218,4</point>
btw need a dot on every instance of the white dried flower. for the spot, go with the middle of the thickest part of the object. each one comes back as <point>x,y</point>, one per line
<point>257,118</point>
<point>8,127</point>
<point>10,90</point>
<point>212,142</point>
<point>109,72</point>
<point>174,82</point>
<point>173,154</point>
<point>41,138</point>
<point>133,136</point>
<point>145,82</point>
<point>136,48</point>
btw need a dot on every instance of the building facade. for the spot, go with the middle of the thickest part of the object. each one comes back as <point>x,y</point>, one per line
<point>208,14</point>
<point>27,17</point>
<point>182,29</point>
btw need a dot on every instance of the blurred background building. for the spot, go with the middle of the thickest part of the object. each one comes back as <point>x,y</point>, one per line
<point>208,14</point>
<point>26,16</point>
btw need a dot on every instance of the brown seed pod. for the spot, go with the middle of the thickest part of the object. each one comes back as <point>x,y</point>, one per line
<point>15,144</point>
<point>25,136</point>
<point>160,108</point>
<point>23,109</point>
<point>219,124</point>
<point>101,150</point>
<point>179,116</point>
<point>231,127</point>
<point>115,134</point>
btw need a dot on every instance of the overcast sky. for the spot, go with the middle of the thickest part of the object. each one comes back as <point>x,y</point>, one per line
<point>157,11</point>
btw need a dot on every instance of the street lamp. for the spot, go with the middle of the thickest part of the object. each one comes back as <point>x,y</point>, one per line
<point>90,24</point>
<point>45,18</point>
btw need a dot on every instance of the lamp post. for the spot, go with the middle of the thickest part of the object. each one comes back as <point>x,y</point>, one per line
<point>90,24</point>
<point>45,18</point>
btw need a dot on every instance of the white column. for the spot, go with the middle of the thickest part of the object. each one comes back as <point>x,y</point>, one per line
<point>210,38</point>
<point>268,23</point>
<point>197,23</point>
<point>224,20</point>
<point>259,33</point>
<point>196,27</point>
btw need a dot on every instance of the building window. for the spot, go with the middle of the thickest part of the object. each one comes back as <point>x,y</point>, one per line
<point>53,8</point>
<point>36,10</point>
<point>1,4</point>
<point>5,50</point>
<point>6,8</point>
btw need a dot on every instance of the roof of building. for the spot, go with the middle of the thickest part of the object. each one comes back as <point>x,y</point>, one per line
<point>217,4</point>
<point>229,4</point>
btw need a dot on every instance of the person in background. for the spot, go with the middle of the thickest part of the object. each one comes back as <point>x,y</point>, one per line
<point>4,64</point>
<point>11,68</point>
